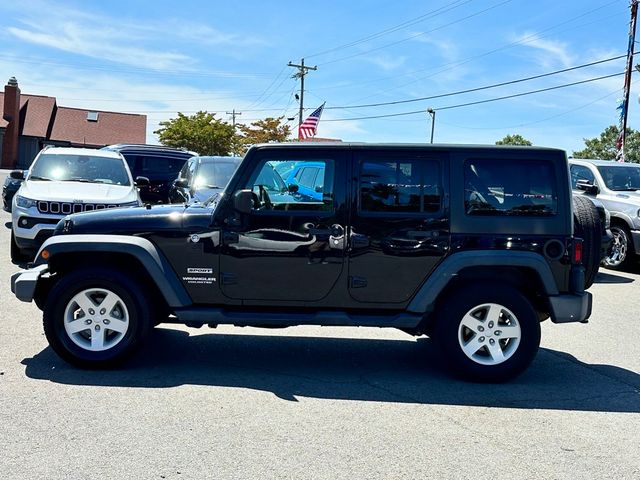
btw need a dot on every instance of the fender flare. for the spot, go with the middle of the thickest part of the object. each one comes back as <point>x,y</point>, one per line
<point>446,271</point>
<point>153,261</point>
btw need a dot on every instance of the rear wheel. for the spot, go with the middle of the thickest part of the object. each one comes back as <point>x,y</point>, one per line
<point>622,253</point>
<point>488,333</point>
<point>96,318</point>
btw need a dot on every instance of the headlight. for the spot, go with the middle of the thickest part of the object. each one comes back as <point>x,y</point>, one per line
<point>130,204</point>
<point>24,202</point>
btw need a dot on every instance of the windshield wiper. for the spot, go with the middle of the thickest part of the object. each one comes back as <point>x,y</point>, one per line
<point>37,177</point>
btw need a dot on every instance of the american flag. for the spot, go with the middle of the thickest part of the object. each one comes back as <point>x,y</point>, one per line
<point>309,127</point>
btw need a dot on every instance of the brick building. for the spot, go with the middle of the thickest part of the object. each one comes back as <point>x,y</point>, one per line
<point>29,122</point>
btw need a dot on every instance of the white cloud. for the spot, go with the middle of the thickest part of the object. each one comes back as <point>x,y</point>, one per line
<point>549,52</point>
<point>387,62</point>
<point>100,44</point>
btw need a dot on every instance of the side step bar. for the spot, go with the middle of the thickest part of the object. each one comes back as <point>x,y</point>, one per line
<point>219,316</point>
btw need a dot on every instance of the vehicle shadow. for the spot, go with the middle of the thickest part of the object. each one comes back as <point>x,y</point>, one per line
<point>602,277</point>
<point>351,369</point>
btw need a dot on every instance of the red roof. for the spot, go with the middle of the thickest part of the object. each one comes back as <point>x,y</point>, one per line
<point>71,125</point>
<point>36,111</point>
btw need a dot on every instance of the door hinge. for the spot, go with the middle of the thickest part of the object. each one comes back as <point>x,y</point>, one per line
<point>357,282</point>
<point>230,237</point>
<point>228,278</point>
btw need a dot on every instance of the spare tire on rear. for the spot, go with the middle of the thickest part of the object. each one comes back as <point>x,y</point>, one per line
<point>588,226</point>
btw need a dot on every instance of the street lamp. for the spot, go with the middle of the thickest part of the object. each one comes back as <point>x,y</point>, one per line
<point>432,112</point>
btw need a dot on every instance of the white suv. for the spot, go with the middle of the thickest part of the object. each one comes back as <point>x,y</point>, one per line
<point>617,186</point>
<point>62,181</point>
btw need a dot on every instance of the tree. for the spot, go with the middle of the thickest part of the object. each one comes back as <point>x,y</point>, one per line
<point>201,133</point>
<point>263,131</point>
<point>515,139</point>
<point>604,146</point>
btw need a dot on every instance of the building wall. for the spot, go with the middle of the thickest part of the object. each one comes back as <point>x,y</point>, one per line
<point>28,148</point>
<point>1,140</point>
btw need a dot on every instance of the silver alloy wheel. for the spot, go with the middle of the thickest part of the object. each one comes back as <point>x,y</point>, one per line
<point>96,319</point>
<point>489,334</point>
<point>619,248</point>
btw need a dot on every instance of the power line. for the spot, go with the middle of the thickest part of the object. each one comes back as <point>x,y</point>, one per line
<point>529,38</point>
<point>450,107</point>
<point>400,26</point>
<point>416,35</point>
<point>476,89</point>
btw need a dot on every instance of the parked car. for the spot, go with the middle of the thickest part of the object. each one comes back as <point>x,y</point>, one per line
<point>62,181</point>
<point>472,245</point>
<point>202,177</point>
<point>309,178</point>
<point>617,186</point>
<point>9,189</point>
<point>158,163</point>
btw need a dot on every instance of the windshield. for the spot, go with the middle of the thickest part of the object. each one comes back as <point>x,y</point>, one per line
<point>214,174</point>
<point>621,178</point>
<point>80,168</point>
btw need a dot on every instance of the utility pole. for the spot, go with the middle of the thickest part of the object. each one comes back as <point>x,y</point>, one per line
<point>233,118</point>
<point>432,112</point>
<point>627,82</point>
<point>302,71</point>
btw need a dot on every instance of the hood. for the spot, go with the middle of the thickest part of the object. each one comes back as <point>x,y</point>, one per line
<point>138,220</point>
<point>69,191</point>
<point>203,194</point>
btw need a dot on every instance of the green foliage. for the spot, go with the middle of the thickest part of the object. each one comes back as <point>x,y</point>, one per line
<point>201,133</point>
<point>604,146</point>
<point>263,131</point>
<point>515,139</point>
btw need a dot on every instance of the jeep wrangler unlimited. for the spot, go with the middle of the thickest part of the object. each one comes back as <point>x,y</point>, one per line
<point>471,245</point>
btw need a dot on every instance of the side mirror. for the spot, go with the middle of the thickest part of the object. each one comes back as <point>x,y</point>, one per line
<point>142,181</point>
<point>587,187</point>
<point>293,188</point>
<point>17,174</point>
<point>181,183</point>
<point>243,201</point>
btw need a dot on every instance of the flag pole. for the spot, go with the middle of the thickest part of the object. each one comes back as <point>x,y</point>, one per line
<point>620,144</point>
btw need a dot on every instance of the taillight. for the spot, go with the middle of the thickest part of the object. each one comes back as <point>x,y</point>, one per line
<point>577,250</point>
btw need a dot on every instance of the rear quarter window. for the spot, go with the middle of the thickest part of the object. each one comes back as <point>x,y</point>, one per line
<point>510,187</point>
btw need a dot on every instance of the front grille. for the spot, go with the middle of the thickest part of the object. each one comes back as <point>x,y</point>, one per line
<point>67,208</point>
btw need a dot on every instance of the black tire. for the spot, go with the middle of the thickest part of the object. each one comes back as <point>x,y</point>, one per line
<point>17,255</point>
<point>621,255</point>
<point>76,348</point>
<point>480,365</point>
<point>587,225</point>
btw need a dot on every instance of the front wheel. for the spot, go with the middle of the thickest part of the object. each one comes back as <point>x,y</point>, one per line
<point>488,333</point>
<point>621,254</point>
<point>96,318</point>
<point>17,255</point>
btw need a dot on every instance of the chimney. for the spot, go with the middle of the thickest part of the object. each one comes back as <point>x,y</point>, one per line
<point>11,113</point>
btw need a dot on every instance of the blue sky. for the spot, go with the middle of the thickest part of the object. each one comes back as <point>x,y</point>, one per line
<point>159,58</point>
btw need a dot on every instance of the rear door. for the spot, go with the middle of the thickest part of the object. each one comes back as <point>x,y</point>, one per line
<point>400,228</point>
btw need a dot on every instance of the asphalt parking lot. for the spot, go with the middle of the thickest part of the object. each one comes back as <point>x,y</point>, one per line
<point>317,402</point>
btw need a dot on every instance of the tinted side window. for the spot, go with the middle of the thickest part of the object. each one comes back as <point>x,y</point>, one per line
<point>272,192</point>
<point>510,187</point>
<point>400,186</point>
<point>580,172</point>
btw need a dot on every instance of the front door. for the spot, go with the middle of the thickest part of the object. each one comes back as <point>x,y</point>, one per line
<point>400,230</point>
<point>291,246</point>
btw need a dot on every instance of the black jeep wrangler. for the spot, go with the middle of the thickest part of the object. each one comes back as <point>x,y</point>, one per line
<point>471,245</point>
